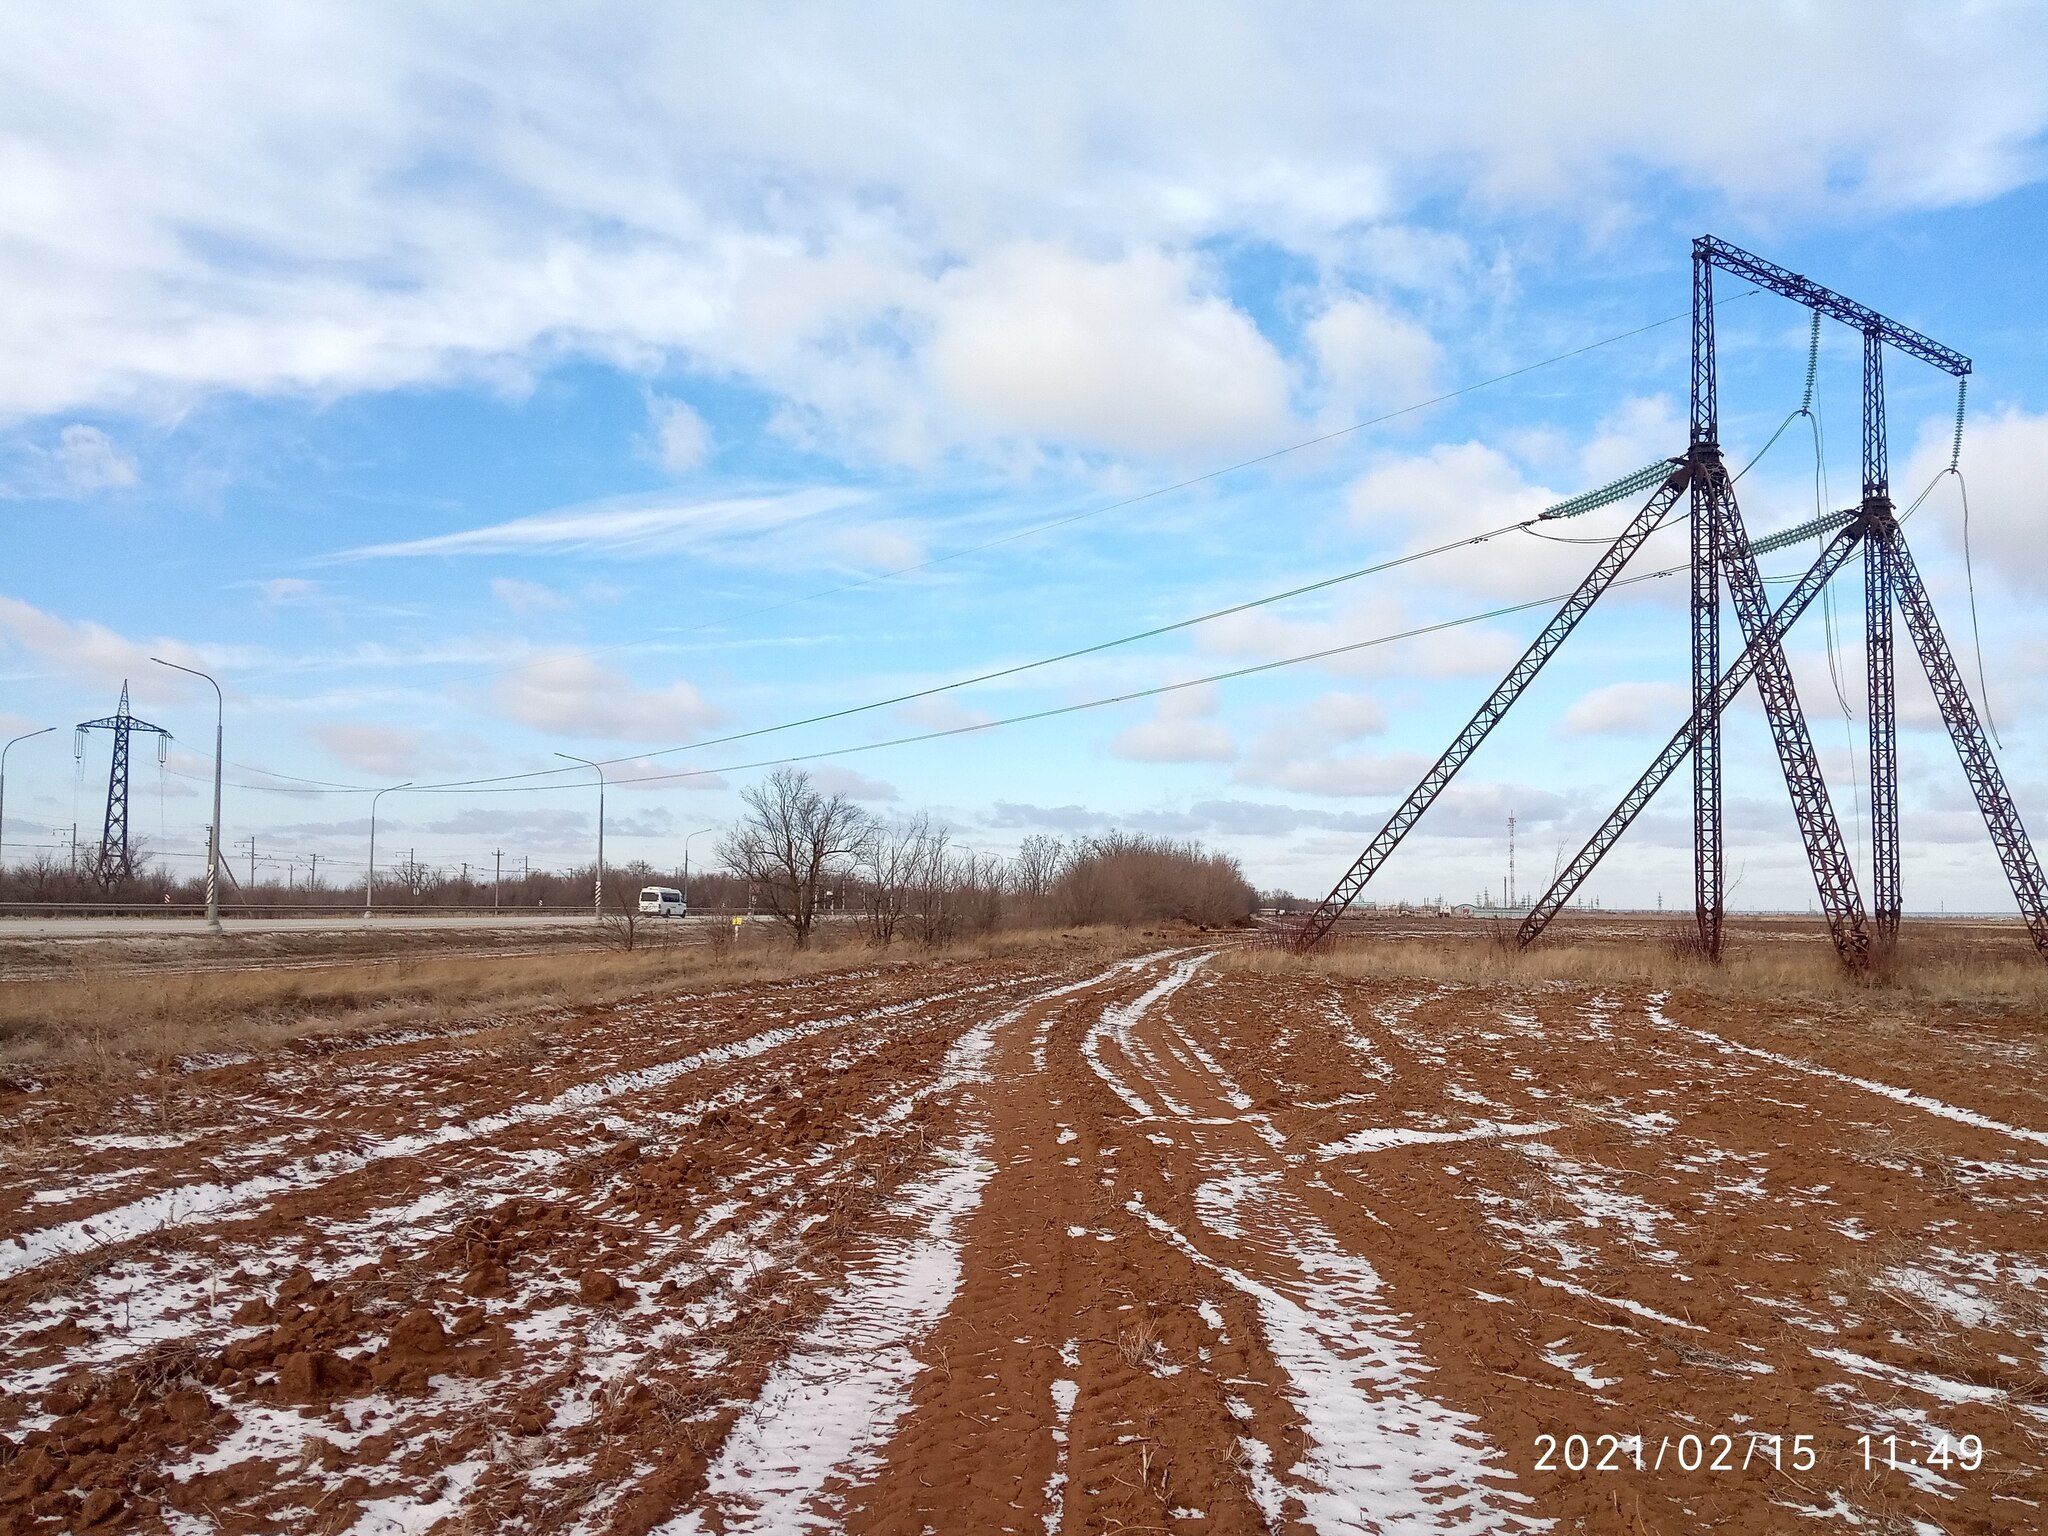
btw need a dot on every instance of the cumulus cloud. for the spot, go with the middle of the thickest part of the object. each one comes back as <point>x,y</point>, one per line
<point>1627,709</point>
<point>844,781</point>
<point>566,693</point>
<point>86,651</point>
<point>1070,819</point>
<point>524,597</point>
<point>384,751</point>
<point>287,591</point>
<point>1182,730</point>
<point>1134,355</point>
<point>2002,456</point>
<point>1368,356</point>
<point>1336,773</point>
<point>799,215</point>
<point>681,438</point>
<point>91,461</point>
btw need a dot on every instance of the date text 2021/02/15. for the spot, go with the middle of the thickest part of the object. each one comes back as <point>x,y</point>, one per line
<point>1747,1450</point>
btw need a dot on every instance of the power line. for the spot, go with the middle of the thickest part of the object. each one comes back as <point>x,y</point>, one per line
<point>1088,704</point>
<point>1213,474</point>
<point>1012,671</point>
<point>321,786</point>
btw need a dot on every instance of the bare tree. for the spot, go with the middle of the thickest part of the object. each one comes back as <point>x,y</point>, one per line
<point>791,842</point>
<point>887,858</point>
<point>930,875</point>
<point>1034,872</point>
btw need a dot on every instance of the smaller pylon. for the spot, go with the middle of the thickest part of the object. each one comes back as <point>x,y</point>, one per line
<point>116,861</point>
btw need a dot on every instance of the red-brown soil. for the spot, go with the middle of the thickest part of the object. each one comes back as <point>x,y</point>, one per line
<point>1038,1244</point>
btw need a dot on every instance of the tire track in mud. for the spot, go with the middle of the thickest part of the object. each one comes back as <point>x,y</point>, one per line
<point>588,1190</point>
<point>1153,1333</point>
<point>186,1203</point>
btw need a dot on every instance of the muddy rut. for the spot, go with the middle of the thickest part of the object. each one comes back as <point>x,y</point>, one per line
<point>1152,1244</point>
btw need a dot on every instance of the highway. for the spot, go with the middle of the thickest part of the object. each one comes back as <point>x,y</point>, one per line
<point>195,926</point>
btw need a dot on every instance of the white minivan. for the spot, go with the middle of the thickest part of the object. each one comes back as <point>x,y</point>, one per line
<point>661,901</point>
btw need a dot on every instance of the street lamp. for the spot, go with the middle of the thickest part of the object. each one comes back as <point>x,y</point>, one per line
<point>686,863</point>
<point>31,736</point>
<point>597,899</point>
<point>370,877</point>
<point>213,832</point>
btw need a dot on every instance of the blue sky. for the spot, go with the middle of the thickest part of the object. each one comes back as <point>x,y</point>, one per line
<point>463,392</point>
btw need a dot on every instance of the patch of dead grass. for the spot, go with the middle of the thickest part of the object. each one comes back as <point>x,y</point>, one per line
<point>110,1021</point>
<point>1932,967</point>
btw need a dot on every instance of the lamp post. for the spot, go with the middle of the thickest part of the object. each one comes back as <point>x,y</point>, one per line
<point>597,897</point>
<point>31,736</point>
<point>370,876</point>
<point>686,863</point>
<point>214,832</point>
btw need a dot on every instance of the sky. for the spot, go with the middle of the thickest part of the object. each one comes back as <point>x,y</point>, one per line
<point>464,387</point>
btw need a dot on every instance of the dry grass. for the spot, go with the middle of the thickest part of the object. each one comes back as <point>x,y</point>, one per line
<point>1931,966</point>
<point>116,1019</point>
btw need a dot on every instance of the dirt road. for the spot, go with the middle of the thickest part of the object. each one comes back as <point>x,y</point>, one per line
<point>1072,1244</point>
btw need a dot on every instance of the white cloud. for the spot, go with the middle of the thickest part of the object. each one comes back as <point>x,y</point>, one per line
<point>681,439</point>
<point>1639,431</point>
<point>523,597</point>
<point>1337,773</point>
<point>1367,617</point>
<point>941,713</point>
<point>566,693</point>
<point>89,652</point>
<point>627,526</point>
<point>1626,709</point>
<point>844,781</point>
<point>1368,356</point>
<point>1182,730</point>
<point>1460,490</point>
<point>91,461</point>
<point>386,751</point>
<point>1337,717</point>
<point>2002,458</point>
<point>285,591</point>
<point>1132,355</point>
<point>273,198</point>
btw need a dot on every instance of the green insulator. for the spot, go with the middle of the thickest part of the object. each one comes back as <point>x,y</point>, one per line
<point>1628,485</point>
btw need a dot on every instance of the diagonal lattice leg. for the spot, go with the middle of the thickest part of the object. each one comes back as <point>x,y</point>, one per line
<point>1314,928</point>
<point>2001,816</point>
<point>1826,851</point>
<point>1659,773</point>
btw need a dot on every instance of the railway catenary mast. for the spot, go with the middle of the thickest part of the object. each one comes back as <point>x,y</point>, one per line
<point>1721,551</point>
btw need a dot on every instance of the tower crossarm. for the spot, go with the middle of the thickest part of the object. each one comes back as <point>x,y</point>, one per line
<point>1803,290</point>
<point>1832,559</point>
<point>1987,782</point>
<point>1316,926</point>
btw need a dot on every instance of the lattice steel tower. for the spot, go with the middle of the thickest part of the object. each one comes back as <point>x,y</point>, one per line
<point>115,862</point>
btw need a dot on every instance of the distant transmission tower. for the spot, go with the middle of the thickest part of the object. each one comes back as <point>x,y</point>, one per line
<point>116,863</point>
